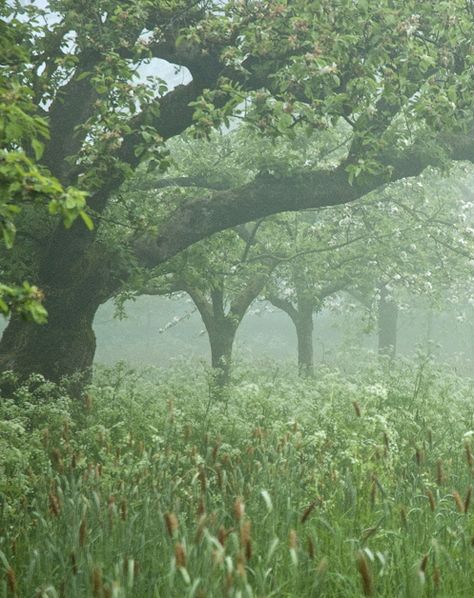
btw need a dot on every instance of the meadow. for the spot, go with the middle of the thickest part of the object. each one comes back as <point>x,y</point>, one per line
<point>345,485</point>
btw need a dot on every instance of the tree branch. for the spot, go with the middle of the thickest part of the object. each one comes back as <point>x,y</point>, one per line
<point>269,194</point>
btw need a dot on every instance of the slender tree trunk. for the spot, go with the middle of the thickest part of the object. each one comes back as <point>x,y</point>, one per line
<point>387,325</point>
<point>221,338</point>
<point>304,333</point>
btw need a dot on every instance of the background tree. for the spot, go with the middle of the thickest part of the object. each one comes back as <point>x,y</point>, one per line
<point>222,284</point>
<point>410,239</point>
<point>430,252</point>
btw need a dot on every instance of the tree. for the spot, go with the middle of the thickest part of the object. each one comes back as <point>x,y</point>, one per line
<point>24,186</point>
<point>223,284</point>
<point>397,75</point>
<point>430,252</point>
<point>318,271</point>
<point>413,238</point>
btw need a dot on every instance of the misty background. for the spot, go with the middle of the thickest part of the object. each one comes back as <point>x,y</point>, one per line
<point>158,331</point>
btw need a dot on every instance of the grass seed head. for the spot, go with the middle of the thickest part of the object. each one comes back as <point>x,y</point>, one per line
<point>365,574</point>
<point>439,472</point>
<point>469,457</point>
<point>180,555</point>
<point>467,499</point>
<point>222,534</point>
<point>54,504</point>
<point>97,582</point>
<point>307,512</point>
<point>419,456</point>
<point>310,547</point>
<point>424,563</point>
<point>292,539</point>
<point>57,460</point>
<point>11,581</point>
<point>202,479</point>
<point>171,522</point>
<point>201,508</point>
<point>239,508</point>
<point>215,450</point>
<point>245,539</point>
<point>219,477</point>
<point>459,502</point>
<point>241,565</point>
<point>83,532</point>
<point>403,516</point>
<point>431,500</point>
<point>73,560</point>
<point>357,409</point>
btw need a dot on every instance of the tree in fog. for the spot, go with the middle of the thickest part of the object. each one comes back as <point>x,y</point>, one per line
<point>222,283</point>
<point>412,238</point>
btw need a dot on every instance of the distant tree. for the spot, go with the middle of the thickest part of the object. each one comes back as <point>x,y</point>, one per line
<point>430,254</point>
<point>412,238</point>
<point>222,284</point>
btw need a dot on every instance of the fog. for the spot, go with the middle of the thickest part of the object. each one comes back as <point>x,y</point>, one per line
<point>161,332</point>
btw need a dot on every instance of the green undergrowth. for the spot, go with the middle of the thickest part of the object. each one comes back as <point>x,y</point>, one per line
<point>342,485</point>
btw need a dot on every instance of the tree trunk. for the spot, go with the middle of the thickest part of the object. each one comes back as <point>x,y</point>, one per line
<point>63,346</point>
<point>387,325</point>
<point>74,289</point>
<point>221,338</point>
<point>304,333</point>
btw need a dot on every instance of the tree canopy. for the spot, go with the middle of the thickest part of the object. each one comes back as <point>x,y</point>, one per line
<point>396,78</point>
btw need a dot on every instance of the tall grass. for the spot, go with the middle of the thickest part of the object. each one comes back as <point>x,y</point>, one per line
<point>341,486</point>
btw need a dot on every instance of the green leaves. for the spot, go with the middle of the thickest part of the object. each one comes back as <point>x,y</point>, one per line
<point>71,205</point>
<point>25,300</point>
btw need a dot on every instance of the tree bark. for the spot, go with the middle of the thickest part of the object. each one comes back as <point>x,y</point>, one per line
<point>221,338</point>
<point>74,288</point>
<point>387,325</point>
<point>302,317</point>
<point>304,334</point>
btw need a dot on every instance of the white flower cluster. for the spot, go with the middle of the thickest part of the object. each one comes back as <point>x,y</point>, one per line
<point>376,390</point>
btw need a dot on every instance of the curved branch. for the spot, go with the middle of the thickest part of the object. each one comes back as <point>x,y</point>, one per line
<point>269,194</point>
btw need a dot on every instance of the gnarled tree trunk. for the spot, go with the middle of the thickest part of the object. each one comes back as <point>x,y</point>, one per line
<point>76,279</point>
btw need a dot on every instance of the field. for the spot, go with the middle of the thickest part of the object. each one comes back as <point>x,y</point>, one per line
<point>346,485</point>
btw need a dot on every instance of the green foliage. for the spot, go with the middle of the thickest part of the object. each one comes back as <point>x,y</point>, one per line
<point>25,300</point>
<point>148,489</point>
<point>22,181</point>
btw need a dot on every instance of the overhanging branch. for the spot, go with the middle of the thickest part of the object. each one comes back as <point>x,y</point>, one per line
<point>270,194</point>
